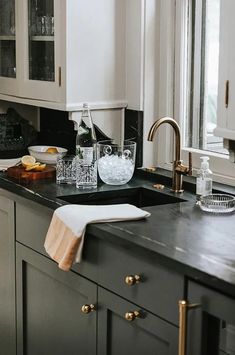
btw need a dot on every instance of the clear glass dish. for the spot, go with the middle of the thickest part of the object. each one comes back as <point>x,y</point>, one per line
<point>217,203</point>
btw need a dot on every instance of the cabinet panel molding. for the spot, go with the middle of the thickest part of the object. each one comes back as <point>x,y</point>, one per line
<point>146,334</point>
<point>49,308</point>
<point>7,278</point>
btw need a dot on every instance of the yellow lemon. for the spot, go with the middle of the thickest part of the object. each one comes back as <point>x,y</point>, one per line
<point>28,160</point>
<point>32,167</point>
<point>40,167</point>
<point>52,150</point>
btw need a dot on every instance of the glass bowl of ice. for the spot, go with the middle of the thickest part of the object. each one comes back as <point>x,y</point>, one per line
<point>116,162</point>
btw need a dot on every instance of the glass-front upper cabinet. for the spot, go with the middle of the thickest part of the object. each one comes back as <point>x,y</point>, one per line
<point>40,46</point>
<point>52,56</point>
<point>41,40</point>
<point>7,39</point>
<point>30,49</point>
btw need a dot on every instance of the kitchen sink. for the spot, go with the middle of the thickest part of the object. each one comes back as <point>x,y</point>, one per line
<point>140,197</point>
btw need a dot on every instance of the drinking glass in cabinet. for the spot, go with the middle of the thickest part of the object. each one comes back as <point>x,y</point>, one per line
<point>7,39</point>
<point>7,18</point>
<point>41,40</point>
<point>41,18</point>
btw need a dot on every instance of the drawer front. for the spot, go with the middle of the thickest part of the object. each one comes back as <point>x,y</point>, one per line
<point>32,223</point>
<point>159,289</point>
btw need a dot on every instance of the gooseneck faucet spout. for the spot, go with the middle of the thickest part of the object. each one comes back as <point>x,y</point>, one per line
<point>178,168</point>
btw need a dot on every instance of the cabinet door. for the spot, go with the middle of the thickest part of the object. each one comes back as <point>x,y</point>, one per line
<point>225,111</point>
<point>8,33</point>
<point>147,334</point>
<point>7,278</point>
<point>211,326</point>
<point>49,302</point>
<point>40,42</point>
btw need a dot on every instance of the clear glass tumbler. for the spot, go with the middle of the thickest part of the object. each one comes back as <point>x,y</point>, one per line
<point>66,169</point>
<point>116,162</point>
<point>86,174</point>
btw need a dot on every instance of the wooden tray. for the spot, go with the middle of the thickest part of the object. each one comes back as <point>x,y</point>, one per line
<point>19,173</point>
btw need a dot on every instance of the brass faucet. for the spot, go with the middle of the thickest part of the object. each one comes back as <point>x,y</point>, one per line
<point>178,168</point>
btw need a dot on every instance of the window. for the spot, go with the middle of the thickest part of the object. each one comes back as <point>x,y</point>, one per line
<point>197,31</point>
<point>186,75</point>
<point>202,76</point>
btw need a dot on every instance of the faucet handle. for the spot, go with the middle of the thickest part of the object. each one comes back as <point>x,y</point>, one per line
<point>182,169</point>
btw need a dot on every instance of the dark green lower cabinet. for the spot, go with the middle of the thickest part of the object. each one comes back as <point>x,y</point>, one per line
<point>7,277</point>
<point>49,302</point>
<point>211,326</point>
<point>50,320</point>
<point>146,334</point>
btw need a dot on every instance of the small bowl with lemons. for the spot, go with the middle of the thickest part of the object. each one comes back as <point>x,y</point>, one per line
<point>47,154</point>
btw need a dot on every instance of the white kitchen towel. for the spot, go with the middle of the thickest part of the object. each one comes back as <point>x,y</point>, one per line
<point>65,236</point>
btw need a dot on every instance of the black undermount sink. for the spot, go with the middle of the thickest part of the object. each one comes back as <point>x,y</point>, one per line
<point>140,197</point>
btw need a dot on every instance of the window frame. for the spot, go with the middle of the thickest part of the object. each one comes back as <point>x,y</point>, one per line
<point>223,169</point>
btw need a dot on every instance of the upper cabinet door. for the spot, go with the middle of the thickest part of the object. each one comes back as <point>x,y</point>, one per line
<point>226,87</point>
<point>39,46</point>
<point>8,65</point>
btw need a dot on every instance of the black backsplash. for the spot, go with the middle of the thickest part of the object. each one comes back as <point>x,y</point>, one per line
<point>134,131</point>
<point>56,129</point>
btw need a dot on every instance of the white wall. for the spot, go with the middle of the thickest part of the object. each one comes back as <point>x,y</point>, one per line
<point>95,68</point>
<point>152,31</point>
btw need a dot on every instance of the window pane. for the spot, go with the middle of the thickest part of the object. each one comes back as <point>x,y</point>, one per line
<point>211,75</point>
<point>204,77</point>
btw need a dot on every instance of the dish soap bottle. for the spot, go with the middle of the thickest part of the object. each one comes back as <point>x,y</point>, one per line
<point>86,175</point>
<point>204,179</point>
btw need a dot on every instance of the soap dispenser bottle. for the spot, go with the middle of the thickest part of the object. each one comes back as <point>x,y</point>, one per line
<point>204,179</point>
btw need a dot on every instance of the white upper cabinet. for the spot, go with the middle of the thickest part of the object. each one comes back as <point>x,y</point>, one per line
<point>61,53</point>
<point>226,89</point>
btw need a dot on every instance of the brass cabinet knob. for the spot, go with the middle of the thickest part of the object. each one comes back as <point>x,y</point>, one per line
<point>130,316</point>
<point>87,308</point>
<point>131,280</point>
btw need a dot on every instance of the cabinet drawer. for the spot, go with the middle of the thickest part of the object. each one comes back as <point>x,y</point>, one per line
<point>159,288</point>
<point>32,223</point>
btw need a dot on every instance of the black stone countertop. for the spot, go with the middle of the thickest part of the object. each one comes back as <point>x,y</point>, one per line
<point>198,244</point>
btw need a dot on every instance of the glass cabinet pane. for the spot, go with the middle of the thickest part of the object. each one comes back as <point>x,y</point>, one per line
<point>41,40</point>
<point>7,39</point>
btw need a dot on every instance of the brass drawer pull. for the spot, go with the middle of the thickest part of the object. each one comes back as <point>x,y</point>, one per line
<point>87,308</point>
<point>130,316</point>
<point>184,306</point>
<point>131,280</point>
